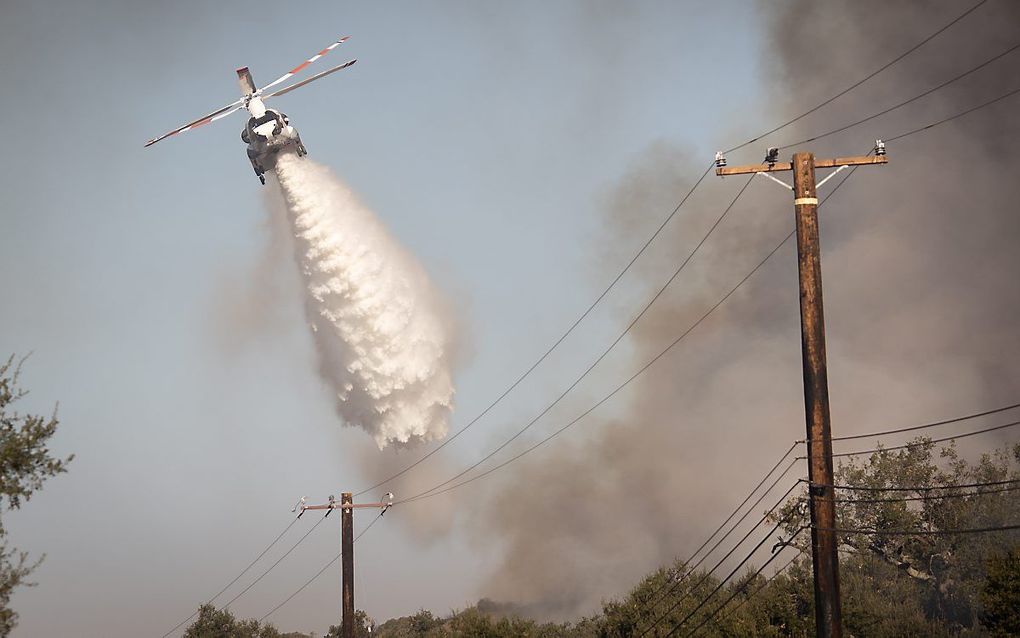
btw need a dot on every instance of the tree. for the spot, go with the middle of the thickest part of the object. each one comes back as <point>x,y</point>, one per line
<point>1001,594</point>
<point>220,623</point>
<point>25,464</point>
<point>362,626</point>
<point>934,575</point>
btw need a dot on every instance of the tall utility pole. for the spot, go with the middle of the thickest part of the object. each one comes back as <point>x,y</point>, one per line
<point>347,564</point>
<point>347,507</point>
<point>824,549</point>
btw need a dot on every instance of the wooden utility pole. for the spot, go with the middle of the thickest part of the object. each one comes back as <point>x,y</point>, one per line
<point>824,548</point>
<point>347,507</point>
<point>347,568</point>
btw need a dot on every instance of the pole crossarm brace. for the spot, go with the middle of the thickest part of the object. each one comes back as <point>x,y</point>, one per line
<point>787,166</point>
<point>778,181</point>
<point>829,176</point>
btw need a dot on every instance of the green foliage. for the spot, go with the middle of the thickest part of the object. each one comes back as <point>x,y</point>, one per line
<point>362,626</point>
<point>25,461</point>
<point>935,580</point>
<point>1001,594</point>
<point>422,623</point>
<point>13,574</point>
<point>25,464</point>
<point>220,623</point>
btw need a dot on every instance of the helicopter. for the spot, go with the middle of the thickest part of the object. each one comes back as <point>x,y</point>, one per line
<point>268,131</point>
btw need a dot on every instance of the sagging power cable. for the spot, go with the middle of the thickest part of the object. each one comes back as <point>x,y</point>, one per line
<point>862,80</point>
<point>690,569</point>
<point>926,426</point>
<point>605,352</point>
<point>953,117</point>
<point>555,344</point>
<point>905,102</point>
<point>722,582</point>
<point>924,442</point>
<point>739,589</point>
<point>919,532</point>
<point>925,497</point>
<point>236,578</point>
<point>758,590</point>
<point>321,571</point>
<point>278,561</point>
<point>917,488</point>
<point>708,574</point>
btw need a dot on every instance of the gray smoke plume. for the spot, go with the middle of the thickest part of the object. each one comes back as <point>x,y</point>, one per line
<point>376,320</point>
<point>920,268</point>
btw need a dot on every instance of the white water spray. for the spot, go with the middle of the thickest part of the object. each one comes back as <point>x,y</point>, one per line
<point>376,320</point>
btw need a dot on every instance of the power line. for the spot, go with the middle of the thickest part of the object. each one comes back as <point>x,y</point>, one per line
<point>556,344</point>
<point>278,561</point>
<point>921,488</point>
<point>707,574</point>
<point>925,497</point>
<point>863,80</point>
<point>722,582</point>
<point>236,578</point>
<point>320,572</point>
<point>928,441</point>
<point>605,352</point>
<point>919,532</point>
<point>640,371</point>
<point>654,235</point>
<point>694,567</point>
<point>758,591</point>
<point>926,425</point>
<point>792,560</point>
<point>905,102</point>
<point>654,598</point>
<point>953,117</point>
<point>741,588</point>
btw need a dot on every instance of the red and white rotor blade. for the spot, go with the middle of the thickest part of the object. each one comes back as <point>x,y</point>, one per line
<point>311,79</point>
<point>212,117</point>
<point>289,74</point>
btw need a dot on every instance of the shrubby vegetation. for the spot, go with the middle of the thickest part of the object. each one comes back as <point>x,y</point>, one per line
<point>25,464</point>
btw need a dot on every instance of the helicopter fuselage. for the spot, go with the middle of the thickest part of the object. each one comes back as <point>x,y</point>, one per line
<point>267,134</point>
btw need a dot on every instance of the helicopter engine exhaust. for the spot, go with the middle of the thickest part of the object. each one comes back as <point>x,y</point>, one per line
<point>377,321</point>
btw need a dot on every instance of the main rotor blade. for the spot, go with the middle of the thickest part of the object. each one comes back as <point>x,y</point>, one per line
<point>311,79</point>
<point>298,68</point>
<point>212,117</point>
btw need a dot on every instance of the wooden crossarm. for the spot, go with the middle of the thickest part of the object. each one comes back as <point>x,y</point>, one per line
<point>785,166</point>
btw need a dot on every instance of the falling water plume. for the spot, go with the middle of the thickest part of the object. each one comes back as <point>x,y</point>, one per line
<point>376,319</point>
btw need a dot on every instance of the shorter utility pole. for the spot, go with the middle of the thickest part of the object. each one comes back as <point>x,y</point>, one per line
<point>347,507</point>
<point>824,548</point>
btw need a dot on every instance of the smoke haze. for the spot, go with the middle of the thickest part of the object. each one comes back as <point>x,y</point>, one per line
<point>920,267</point>
<point>376,321</point>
